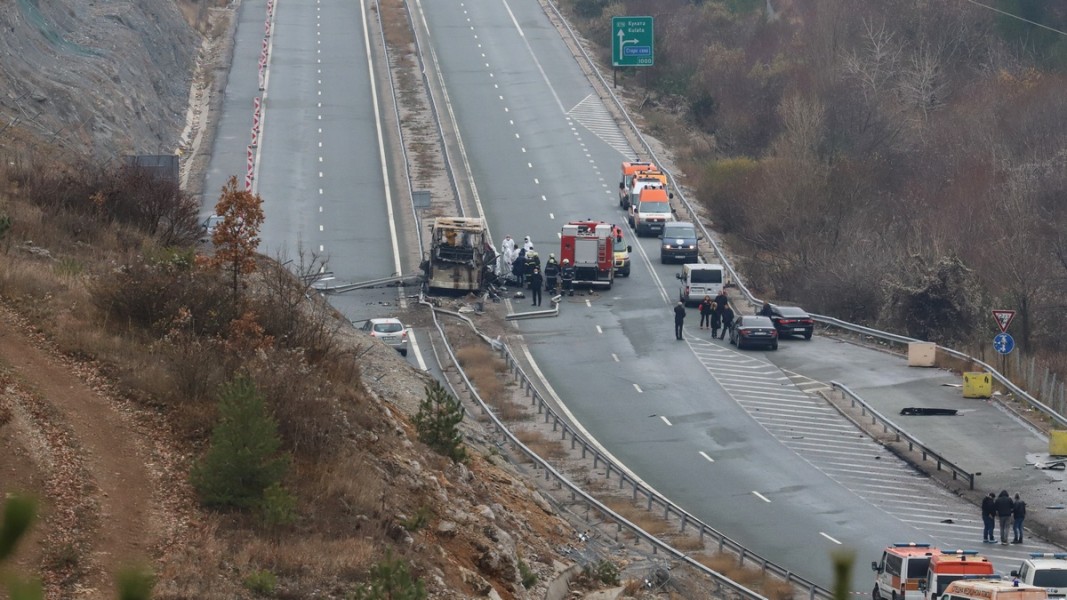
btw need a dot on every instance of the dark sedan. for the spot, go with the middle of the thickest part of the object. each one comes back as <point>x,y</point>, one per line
<point>792,320</point>
<point>753,330</point>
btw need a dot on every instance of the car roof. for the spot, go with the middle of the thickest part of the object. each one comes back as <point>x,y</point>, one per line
<point>791,310</point>
<point>653,195</point>
<point>680,225</point>
<point>379,320</point>
<point>1048,563</point>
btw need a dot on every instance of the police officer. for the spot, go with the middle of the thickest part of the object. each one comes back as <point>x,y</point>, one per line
<point>566,276</point>
<point>533,261</point>
<point>551,273</point>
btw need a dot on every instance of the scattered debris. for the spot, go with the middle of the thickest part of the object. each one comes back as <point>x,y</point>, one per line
<point>937,412</point>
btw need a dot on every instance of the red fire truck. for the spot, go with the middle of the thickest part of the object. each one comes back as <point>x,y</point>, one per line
<point>589,246</point>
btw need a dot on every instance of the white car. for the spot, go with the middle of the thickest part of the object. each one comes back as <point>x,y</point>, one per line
<point>389,330</point>
<point>207,228</point>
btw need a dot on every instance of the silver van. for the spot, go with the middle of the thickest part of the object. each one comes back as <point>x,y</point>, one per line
<point>699,280</point>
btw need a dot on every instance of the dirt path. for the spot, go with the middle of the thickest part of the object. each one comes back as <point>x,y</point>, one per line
<point>80,450</point>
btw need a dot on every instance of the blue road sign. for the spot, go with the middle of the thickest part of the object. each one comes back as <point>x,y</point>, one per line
<point>1003,343</point>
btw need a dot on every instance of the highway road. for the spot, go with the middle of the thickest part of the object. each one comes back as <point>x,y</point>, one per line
<point>320,171</point>
<point>730,436</point>
<point>734,437</point>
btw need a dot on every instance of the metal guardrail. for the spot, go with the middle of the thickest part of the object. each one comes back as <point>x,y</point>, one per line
<point>887,425</point>
<point>348,287</point>
<point>723,583</point>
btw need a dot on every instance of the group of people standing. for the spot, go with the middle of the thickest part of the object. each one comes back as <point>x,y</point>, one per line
<point>715,314</point>
<point>1007,511</point>
<point>523,266</point>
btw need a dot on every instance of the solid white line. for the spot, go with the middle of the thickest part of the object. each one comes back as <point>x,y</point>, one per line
<point>533,55</point>
<point>415,346</point>
<point>706,457</point>
<point>638,388</point>
<point>666,421</point>
<point>830,538</point>
<point>575,422</point>
<point>761,496</point>
<point>381,140</point>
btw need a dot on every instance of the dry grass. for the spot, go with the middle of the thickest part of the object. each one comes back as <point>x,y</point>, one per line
<point>637,515</point>
<point>543,447</point>
<point>484,368</point>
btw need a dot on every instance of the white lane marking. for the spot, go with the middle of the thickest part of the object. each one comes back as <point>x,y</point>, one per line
<point>599,329</point>
<point>588,303</point>
<point>533,55</point>
<point>576,423</point>
<point>665,420</point>
<point>543,198</point>
<point>321,228</point>
<point>322,248</point>
<point>761,496</point>
<point>551,216</point>
<point>415,347</point>
<point>615,357</point>
<point>397,267</point>
<point>706,457</point>
<point>830,538</point>
<point>638,388</point>
<point>524,150</point>
<point>529,164</point>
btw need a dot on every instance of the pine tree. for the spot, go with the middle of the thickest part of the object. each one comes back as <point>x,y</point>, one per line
<point>390,580</point>
<point>437,422</point>
<point>244,458</point>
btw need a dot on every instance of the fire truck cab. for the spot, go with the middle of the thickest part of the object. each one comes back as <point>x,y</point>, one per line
<point>590,247</point>
<point>902,567</point>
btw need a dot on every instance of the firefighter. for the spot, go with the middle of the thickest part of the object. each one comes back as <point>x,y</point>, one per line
<point>566,276</point>
<point>533,261</point>
<point>551,273</point>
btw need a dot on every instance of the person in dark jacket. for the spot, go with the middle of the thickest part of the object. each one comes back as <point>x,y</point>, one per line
<point>532,261</point>
<point>766,312</point>
<point>566,277</point>
<point>1018,512</point>
<point>720,301</point>
<point>536,281</point>
<point>1004,505</point>
<point>727,320</point>
<point>679,319</point>
<point>989,518</point>
<point>706,308</point>
<point>518,268</point>
<point>551,273</point>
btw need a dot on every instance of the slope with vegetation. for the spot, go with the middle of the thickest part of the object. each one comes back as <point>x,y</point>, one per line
<point>899,163</point>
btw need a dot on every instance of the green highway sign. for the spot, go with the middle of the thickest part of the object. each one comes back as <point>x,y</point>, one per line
<point>631,42</point>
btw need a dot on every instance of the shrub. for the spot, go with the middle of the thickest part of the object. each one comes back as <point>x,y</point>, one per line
<point>527,577</point>
<point>278,507</point>
<point>391,580</point>
<point>605,572</point>
<point>244,459</point>
<point>437,423</point>
<point>261,582</point>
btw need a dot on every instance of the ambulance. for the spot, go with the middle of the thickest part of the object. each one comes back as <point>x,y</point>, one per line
<point>952,566</point>
<point>629,170</point>
<point>898,574</point>
<point>992,589</point>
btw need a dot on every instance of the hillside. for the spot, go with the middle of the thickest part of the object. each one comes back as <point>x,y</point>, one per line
<point>110,394</point>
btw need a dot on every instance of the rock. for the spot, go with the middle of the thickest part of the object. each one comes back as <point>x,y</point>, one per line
<point>485,512</point>
<point>475,581</point>
<point>447,528</point>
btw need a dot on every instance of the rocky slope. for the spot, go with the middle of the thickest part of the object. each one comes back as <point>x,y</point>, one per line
<point>99,77</point>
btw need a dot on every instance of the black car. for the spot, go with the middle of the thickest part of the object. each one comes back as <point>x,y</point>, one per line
<point>792,320</point>
<point>753,330</point>
<point>679,241</point>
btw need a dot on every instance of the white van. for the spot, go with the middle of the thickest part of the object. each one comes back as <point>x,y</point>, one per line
<point>1047,570</point>
<point>699,280</point>
<point>992,589</point>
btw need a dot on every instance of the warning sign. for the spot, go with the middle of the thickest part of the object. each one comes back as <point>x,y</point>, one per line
<point>1003,318</point>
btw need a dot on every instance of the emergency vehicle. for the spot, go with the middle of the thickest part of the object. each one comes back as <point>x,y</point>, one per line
<point>651,211</point>
<point>1046,570</point>
<point>992,589</point>
<point>951,566</point>
<point>902,567</point>
<point>590,248</point>
<point>622,253</point>
<point>645,180</point>
<point>629,170</point>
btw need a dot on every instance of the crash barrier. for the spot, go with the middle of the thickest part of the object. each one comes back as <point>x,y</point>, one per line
<point>723,584</point>
<point>323,286</point>
<point>400,133</point>
<point>446,157</point>
<point>736,280</point>
<point>877,418</point>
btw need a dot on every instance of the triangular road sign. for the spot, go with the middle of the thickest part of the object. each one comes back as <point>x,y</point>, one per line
<point>1003,318</point>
